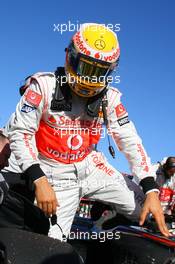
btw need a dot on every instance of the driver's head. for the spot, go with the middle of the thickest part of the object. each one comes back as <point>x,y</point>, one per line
<point>91,57</point>
<point>169,166</point>
<point>4,151</point>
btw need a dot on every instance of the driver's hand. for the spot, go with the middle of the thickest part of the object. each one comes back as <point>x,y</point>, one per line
<point>152,205</point>
<point>45,196</point>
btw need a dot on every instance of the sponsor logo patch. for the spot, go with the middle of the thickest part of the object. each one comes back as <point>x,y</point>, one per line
<point>143,158</point>
<point>33,98</point>
<point>27,108</point>
<point>120,110</point>
<point>123,121</point>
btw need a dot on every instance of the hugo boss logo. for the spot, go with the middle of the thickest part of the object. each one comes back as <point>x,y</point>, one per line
<point>123,121</point>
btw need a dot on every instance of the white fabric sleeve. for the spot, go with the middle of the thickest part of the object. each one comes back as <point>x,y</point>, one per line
<point>23,125</point>
<point>127,139</point>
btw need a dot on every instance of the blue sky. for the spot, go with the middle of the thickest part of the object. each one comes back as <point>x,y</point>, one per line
<point>147,40</point>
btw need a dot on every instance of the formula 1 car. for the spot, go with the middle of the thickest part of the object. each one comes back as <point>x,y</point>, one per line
<point>100,237</point>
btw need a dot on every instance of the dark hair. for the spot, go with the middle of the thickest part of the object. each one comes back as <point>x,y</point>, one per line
<point>170,163</point>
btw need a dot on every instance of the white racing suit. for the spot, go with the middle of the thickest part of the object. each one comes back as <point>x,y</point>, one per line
<point>61,144</point>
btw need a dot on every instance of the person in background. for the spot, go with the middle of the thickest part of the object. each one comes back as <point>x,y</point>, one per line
<point>165,178</point>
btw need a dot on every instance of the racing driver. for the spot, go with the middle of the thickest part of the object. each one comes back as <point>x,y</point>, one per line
<point>58,123</point>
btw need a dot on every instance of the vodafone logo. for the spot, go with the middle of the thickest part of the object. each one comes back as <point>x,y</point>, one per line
<point>74,142</point>
<point>79,42</point>
<point>114,56</point>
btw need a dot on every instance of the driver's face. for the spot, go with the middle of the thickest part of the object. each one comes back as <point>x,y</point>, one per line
<point>170,172</point>
<point>4,154</point>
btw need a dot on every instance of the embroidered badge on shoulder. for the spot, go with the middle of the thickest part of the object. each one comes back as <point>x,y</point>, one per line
<point>27,108</point>
<point>123,121</point>
<point>120,110</point>
<point>33,98</point>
